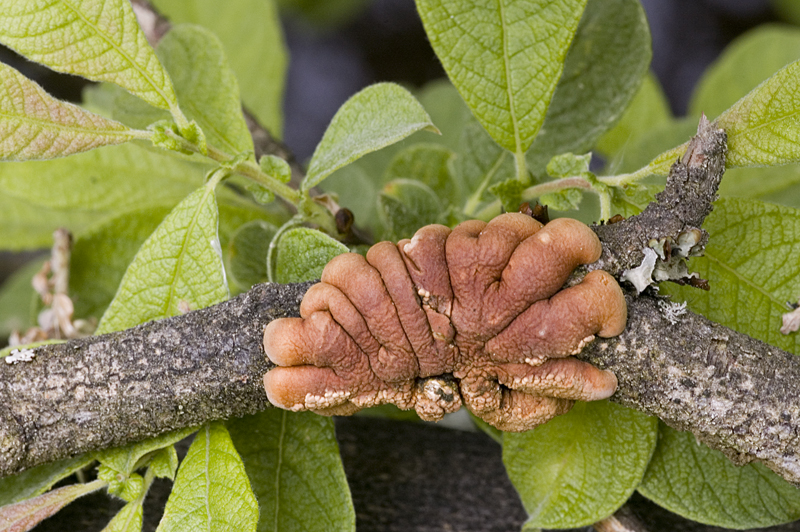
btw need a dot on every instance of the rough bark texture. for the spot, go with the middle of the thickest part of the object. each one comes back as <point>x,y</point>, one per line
<point>109,390</point>
<point>734,392</point>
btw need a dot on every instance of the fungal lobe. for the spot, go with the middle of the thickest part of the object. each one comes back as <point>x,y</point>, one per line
<point>473,316</point>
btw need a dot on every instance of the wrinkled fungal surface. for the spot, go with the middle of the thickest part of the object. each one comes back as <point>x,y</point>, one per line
<point>473,316</point>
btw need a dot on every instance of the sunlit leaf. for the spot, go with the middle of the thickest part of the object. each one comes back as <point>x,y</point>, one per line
<point>212,491</point>
<point>34,125</point>
<point>379,115</point>
<point>180,265</point>
<point>505,58</point>
<point>97,39</point>
<point>129,519</point>
<point>750,264</point>
<point>743,65</point>
<point>580,467</point>
<point>293,461</point>
<point>602,72</point>
<point>302,254</point>
<point>250,31</point>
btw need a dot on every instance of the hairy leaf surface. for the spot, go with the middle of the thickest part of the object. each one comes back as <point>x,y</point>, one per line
<point>115,178</point>
<point>743,65</point>
<point>34,125</point>
<point>580,467</point>
<point>206,87</point>
<point>602,72</point>
<point>97,39</point>
<point>179,265</point>
<point>250,31</point>
<point>750,264</point>
<point>129,519</point>
<point>375,117</point>
<point>302,254</point>
<point>293,461</point>
<point>701,484</point>
<point>212,491</point>
<point>405,205</point>
<point>504,57</point>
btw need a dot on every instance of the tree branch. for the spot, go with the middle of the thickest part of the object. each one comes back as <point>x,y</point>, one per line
<point>735,393</point>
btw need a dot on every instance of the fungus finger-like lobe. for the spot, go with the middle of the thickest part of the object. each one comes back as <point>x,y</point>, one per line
<point>425,260</point>
<point>474,316</point>
<point>564,324</point>
<point>363,286</point>
<point>541,264</point>
<point>520,411</point>
<point>566,378</point>
<point>477,254</point>
<point>323,297</point>
<point>386,259</point>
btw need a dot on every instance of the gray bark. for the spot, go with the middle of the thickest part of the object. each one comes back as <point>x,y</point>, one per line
<point>735,393</point>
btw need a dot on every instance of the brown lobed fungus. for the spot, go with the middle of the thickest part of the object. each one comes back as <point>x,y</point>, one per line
<point>475,315</point>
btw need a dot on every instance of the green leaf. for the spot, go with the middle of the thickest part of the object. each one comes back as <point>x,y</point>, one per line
<point>302,253</point>
<point>564,200</point>
<point>34,125</point>
<point>292,459</point>
<point>509,192</point>
<point>788,10</point>
<point>275,167</point>
<point>773,184</point>
<point>657,148</point>
<point>180,263</point>
<point>377,116</point>
<point>26,514</point>
<point>481,162</point>
<point>39,479</point>
<point>750,263</point>
<point>165,463</point>
<point>128,459</point>
<point>447,110</point>
<point>247,254</point>
<point>763,127</point>
<point>405,206</point>
<point>126,487</point>
<point>429,164</point>
<point>99,40</point>
<point>206,86</point>
<point>102,253</point>
<point>632,199</point>
<point>19,302</point>
<point>744,64</point>
<point>211,491</point>
<point>26,225</point>
<point>569,164</point>
<point>603,70</point>
<point>580,467</point>
<point>700,484</point>
<point>129,519</point>
<point>648,109</point>
<point>505,58</point>
<point>111,179</point>
<point>250,31</point>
